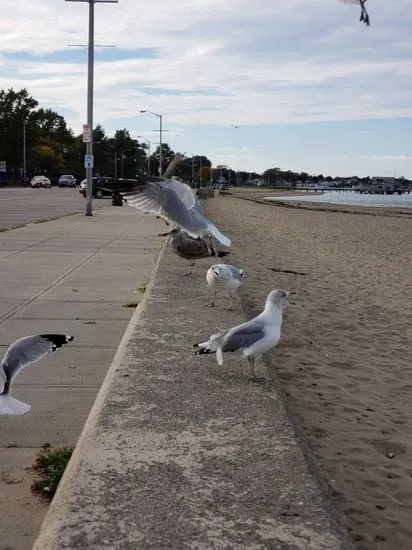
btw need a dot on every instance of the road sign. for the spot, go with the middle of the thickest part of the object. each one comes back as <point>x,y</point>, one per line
<point>3,166</point>
<point>87,133</point>
<point>88,161</point>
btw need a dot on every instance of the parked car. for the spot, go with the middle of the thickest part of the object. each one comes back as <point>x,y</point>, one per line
<point>40,181</point>
<point>67,181</point>
<point>100,185</point>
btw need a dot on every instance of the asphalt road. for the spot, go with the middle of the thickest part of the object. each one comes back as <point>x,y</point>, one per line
<point>21,206</point>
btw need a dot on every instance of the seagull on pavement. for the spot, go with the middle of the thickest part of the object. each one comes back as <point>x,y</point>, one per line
<point>224,277</point>
<point>258,335</point>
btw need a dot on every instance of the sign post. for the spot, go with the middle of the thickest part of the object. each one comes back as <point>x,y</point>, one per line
<point>87,133</point>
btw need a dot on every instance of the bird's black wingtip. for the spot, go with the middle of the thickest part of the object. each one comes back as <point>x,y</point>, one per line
<point>58,339</point>
<point>202,351</point>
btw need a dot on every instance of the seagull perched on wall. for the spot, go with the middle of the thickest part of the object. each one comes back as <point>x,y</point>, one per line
<point>224,277</point>
<point>19,355</point>
<point>185,246</point>
<point>364,16</point>
<point>253,337</point>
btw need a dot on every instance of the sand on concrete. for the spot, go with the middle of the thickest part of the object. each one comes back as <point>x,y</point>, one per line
<point>345,357</point>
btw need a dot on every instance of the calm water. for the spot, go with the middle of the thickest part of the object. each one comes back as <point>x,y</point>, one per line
<point>352,199</point>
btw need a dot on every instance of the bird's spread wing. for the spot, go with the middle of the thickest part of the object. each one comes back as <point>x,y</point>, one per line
<point>185,192</point>
<point>243,336</point>
<point>3,378</point>
<point>28,350</point>
<point>163,200</point>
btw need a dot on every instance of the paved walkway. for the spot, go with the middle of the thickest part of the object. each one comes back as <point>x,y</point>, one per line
<point>181,454</point>
<point>72,275</point>
<point>22,205</point>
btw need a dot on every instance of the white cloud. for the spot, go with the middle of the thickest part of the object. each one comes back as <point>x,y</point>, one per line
<point>391,158</point>
<point>249,62</point>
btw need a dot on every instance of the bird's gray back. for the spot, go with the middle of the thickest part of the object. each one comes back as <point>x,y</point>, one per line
<point>244,336</point>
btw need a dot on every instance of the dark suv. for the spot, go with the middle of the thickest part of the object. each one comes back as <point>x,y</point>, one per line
<point>100,185</point>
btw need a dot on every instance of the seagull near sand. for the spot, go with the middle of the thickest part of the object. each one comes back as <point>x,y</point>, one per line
<point>19,355</point>
<point>224,277</point>
<point>175,202</point>
<point>253,337</point>
<point>185,246</point>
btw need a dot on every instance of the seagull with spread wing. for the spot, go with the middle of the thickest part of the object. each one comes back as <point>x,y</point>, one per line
<point>19,355</point>
<point>175,202</point>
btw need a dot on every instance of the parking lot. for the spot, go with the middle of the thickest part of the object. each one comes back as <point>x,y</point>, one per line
<point>21,206</point>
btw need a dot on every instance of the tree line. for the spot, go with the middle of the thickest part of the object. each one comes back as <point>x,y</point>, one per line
<point>52,149</point>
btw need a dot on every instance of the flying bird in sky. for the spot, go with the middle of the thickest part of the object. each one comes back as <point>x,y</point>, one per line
<point>364,17</point>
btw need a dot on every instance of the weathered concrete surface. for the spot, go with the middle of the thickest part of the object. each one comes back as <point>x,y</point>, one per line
<point>26,205</point>
<point>180,453</point>
<point>72,275</point>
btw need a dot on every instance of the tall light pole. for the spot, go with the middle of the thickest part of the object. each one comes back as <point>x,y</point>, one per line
<point>90,78</point>
<point>148,151</point>
<point>160,140</point>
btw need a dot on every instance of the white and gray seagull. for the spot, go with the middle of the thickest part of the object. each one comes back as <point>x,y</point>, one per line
<point>224,277</point>
<point>176,203</point>
<point>256,336</point>
<point>19,355</point>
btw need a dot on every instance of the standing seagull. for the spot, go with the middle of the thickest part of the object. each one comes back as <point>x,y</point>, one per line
<point>364,17</point>
<point>224,277</point>
<point>255,336</point>
<point>185,246</point>
<point>19,355</point>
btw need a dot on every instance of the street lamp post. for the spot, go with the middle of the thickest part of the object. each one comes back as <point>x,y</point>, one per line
<point>160,140</point>
<point>90,76</point>
<point>148,150</point>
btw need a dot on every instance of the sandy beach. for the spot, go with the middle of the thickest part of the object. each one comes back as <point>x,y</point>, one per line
<point>345,359</point>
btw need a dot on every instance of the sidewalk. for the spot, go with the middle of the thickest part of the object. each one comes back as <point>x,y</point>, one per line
<point>72,275</point>
<point>182,454</point>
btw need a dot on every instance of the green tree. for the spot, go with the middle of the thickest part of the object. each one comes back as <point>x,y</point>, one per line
<point>129,154</point>
<point>15,108</point>
<point>167,156</point>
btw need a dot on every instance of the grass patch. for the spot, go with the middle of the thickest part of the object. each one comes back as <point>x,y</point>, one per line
<point>131,304</point>
<point>49,466</point>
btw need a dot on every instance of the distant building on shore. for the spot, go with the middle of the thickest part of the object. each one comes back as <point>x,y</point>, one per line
<point>384,186</point>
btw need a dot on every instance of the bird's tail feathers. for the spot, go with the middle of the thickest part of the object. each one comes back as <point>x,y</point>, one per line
<point>213,230</point>
<point>12,406</point>
<point>211,345</point>
<point>222,253</point>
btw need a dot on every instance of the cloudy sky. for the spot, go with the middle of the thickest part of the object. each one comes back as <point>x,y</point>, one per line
<point>309,87</point>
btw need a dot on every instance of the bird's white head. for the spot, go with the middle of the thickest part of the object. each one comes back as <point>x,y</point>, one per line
<point>278,298</point>
<point>215,271</point>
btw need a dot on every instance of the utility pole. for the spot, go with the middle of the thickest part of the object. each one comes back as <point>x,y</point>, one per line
<point>24,152</point>
<point>88,160</point>
<point>160,117</point>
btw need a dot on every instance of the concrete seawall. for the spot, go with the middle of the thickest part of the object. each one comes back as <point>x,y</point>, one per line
<point>180,453</point>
